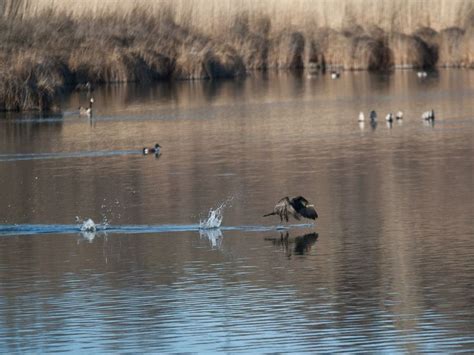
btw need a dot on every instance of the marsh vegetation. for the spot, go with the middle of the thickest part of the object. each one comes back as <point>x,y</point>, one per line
<point>47,45</point>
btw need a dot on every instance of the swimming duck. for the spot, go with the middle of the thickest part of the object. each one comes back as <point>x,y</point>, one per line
<point>428,115</point>
<point>399,115</point>
<point>373,116</point>
<point>297,207</point>
<point>86,111</point>
<point>361,117</point>
<point>422,74</point>
<point>155,150</point>
<point>335,75</point>
<point>389,118</point>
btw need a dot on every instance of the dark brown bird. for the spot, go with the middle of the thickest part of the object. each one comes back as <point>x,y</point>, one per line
<point>297,207</point>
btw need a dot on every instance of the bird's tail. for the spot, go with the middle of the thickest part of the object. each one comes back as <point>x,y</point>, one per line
<point>269,214</point>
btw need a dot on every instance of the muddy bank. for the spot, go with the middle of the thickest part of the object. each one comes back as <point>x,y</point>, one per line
<point>42,55</point>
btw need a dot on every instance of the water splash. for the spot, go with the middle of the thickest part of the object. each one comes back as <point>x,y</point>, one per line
<point>88,226</point>
<point>214,218</point>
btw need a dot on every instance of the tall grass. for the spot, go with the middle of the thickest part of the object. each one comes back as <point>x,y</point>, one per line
<point>211,15</point>
<point>47,44</point>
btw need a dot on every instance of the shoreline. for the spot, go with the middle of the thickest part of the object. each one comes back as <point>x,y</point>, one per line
<point>44,55</point>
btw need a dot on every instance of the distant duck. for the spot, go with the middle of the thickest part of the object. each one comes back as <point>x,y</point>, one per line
<point>335,75</point>
<point>86,111</point>
<point>389,118</point>
<point>155,150</point>
<point>297,207</point>
<point>399,115</point>
<point>361,117</point>
<point>373,116</point>
<point>428,115</point>
<point>422,74</point>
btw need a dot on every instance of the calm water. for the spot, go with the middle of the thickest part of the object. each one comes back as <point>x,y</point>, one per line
<point>388,266</point>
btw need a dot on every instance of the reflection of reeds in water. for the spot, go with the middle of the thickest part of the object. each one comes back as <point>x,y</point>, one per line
<point>47,44</point>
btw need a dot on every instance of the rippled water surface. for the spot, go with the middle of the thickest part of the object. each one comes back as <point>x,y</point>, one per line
<point>388,266</point>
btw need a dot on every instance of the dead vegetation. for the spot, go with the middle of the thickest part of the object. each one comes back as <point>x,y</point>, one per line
<point>43,51</point>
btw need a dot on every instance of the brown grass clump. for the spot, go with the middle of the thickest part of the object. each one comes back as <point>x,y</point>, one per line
<point>409,51</point>
<point>117,65</point>
<point>454,49</point>
<point>29,82</point>
<point>250,38</point>
<point>351,49</point>
<point>287,50</point>
<point>208,63</point>
<point>469,46</point>
<point>431,38</point>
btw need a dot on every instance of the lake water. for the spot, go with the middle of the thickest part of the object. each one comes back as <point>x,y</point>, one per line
<point>388,266</point>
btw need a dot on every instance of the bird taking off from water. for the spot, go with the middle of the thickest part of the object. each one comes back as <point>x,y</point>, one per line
<point>297,207</point>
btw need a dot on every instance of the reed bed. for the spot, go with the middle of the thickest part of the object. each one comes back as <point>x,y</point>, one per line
<point>48,45</point>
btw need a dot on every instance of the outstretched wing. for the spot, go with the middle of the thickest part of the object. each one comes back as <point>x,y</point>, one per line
<point>299,202</point>
<point>309,212</point>
<point>302,206</point>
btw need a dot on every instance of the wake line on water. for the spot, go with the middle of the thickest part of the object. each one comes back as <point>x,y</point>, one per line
<point>38,229</point>
<point>63,155</point>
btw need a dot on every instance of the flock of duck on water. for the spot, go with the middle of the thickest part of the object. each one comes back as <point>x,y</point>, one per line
<point>297,207</point>
<point>427,116</point>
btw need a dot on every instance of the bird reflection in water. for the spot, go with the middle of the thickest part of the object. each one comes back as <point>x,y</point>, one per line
<point>90,236</point>
<point>213,235</point>
<point>87,236</point>
<point>299,245</point>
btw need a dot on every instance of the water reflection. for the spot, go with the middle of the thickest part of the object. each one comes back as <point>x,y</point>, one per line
<point>386,276</point>
<point>299,245</point>
<point>88,236</point>
<point>214,236</point>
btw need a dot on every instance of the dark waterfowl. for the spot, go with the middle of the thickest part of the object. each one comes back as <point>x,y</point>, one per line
<point>297,207</point>
<point>155,150</point>
<point>428,115</point>
<point>373,116</point>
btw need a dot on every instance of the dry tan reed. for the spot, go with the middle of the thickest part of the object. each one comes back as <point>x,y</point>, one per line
<point>46,44</point>
<point>211,15</point>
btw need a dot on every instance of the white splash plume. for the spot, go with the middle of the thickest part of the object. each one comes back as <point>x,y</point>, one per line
<point>215,216</point>
<point>88,226</point>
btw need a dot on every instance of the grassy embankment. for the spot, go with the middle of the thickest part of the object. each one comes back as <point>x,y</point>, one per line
<point>44,50</point>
